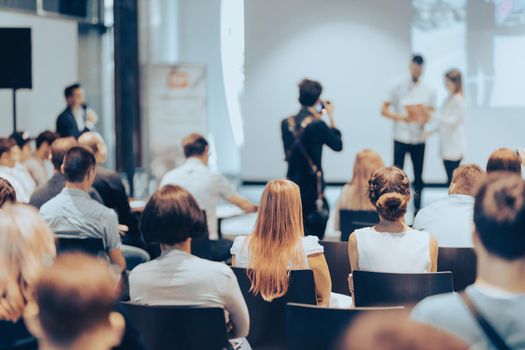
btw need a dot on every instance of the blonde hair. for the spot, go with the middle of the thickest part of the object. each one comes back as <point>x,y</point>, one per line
<point>276,242</point>
<point>26,246</point>
<point>366,162</point>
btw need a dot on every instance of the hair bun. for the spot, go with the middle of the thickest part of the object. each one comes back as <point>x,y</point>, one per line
<point>392,205</point>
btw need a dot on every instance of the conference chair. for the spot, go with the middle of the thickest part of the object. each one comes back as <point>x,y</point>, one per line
<point>351,220</point>
<point>75,242</point>
<point>394,289</point>
<point>267,319</point>
<point>310,327</point>
<point>179,327</point>
<point>461,262</point>
<point>336,254</point>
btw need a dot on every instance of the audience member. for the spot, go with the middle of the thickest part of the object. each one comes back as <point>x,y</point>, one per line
<point>504,159</point>
<point>278,244</point>
<point>26,247</point>
<point>77,118</point>
<point>304,136</point>
<point>69,312</point>
<point>21,153</point>
<point>110,187</point>
<point>73,211</point>
<point>450,219</point>
<point>499,292</point>
<point>7,192</point>
<point>56,183</point>
<point>172,218</point>
<point>204,184</point>
<point>391,245</point>
<point>39,163</point>
<point>393,330</point>
<point>354,195</point>
<point>8,170</point>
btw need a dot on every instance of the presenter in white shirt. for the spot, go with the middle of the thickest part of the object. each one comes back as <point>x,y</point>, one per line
<point>410,104</point>
<point>450,124</point>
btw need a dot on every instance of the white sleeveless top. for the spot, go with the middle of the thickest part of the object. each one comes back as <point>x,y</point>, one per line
<point>241,249</point>
<point>404,252</point>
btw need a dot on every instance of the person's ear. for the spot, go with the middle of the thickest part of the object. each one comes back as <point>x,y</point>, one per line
<point>117,325</point>
<point>32,321</point>
<point>62,169</point>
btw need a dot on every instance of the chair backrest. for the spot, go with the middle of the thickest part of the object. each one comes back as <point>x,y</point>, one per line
<point>267,319</point>
<point>461,262</point>
<point>179,327</point>
<point>88,245</point>
<point>393,289</point>
<point>336,254</point>
<point>351,220</point>
<point>310,327</point>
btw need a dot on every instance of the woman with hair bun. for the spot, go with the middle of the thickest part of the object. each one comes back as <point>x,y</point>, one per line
<point>391,245</point>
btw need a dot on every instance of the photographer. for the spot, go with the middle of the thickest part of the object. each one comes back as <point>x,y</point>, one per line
<point>303,138</point>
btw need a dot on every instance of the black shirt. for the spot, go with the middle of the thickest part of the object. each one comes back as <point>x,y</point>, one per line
<point>315,136</point>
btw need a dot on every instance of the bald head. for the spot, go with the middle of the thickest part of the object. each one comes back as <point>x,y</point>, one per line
<point>95,143</point>
<point>59,149</point>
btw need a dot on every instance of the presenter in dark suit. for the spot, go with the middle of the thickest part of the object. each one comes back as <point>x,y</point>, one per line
<point>315,135</point>
<point>77,118</point>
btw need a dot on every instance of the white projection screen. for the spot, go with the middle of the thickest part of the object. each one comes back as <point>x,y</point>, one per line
<point>357,49</point>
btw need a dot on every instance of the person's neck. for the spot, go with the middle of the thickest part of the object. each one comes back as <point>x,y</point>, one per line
<point>183,246</point>
<point>499,273</point>
<point>391,226</point>
<point>86,343</point>
<point>77,186</point>
<point>40,154</point>
<point>201,159</point>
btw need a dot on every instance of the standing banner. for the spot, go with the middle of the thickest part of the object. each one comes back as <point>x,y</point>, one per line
<point>174,106</point>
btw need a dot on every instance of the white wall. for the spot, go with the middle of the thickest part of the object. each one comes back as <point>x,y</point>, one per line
<point>55,65</point>
<point>355,48</point>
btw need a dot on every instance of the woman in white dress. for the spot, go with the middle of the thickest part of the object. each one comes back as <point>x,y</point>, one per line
<point>278,245</point>
<point>391,245</point>
<point>449,123</point>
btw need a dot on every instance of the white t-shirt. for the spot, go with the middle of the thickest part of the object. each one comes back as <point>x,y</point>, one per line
<point>11,175</point>
<point>450,220</point>
<point>204,184</point>
<point>404,252</point>
<point>241,249</point>
<point>179,278</point>
<point>406,93</point>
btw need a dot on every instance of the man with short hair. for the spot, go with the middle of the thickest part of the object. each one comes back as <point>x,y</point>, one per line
<point>77,118</point>
<point>21,153</point>
<point>72,311</point>
<point>204,184</point>
<point>39,165</point>
<point>450,219</point>
<point>110,187</point>
<point>56,183</point>
<point>498,295</point>
<point>7,192</point>
<point>8,169</point>
<point>410,104</point>
<point>304,136</point>
<point>73,211</point>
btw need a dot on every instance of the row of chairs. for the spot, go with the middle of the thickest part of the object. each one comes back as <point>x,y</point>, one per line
<point>291,322</point>
<point>460,261</point>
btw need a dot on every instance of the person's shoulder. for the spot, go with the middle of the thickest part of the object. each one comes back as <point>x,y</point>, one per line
<point>435,307</point>
<point>238,243</point>
<point>312,246</point>
<point>213,267</point>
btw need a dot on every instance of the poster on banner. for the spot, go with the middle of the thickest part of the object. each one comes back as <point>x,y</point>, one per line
<point>176,107</point>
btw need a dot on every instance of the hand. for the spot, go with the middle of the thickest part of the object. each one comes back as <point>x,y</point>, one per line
<point>91,118</point>
<point>329,108</point>
<point>426,135</point>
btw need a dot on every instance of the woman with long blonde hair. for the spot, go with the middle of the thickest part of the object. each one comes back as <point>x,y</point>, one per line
<point>26,246</point>
<point>278,245</point>
<point>354,195</point>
